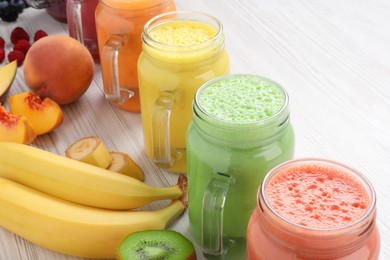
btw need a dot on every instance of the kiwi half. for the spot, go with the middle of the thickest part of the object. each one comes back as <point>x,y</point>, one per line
<point>156,245</point>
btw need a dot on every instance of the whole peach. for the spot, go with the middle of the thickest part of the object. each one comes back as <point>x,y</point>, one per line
<point>58,67</point>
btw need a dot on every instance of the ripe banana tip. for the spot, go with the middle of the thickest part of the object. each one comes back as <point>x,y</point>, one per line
<point>183,184</point>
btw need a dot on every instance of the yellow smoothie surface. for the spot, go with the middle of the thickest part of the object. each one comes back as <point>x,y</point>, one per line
<point>183,33</point>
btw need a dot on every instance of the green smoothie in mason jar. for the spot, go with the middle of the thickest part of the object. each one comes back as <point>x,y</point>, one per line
<point>240,130</point>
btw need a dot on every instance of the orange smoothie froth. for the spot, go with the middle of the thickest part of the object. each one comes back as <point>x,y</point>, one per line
<point>317,196</point>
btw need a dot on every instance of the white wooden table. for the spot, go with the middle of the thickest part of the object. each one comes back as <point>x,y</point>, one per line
<point>333,57</point>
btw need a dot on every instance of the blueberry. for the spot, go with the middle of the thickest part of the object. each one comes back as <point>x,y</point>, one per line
<point>19,4</point>
<point>3,4</point>
<point>9,14</point>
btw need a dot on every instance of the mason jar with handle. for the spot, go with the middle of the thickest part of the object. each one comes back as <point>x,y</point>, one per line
<point>314,208</point>
<point>240,130</point>
<point>119,26</point>
<point>81,23</point>
<point>181,51</point>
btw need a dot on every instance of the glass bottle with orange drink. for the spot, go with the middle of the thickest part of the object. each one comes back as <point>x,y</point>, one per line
<point>119,25</point>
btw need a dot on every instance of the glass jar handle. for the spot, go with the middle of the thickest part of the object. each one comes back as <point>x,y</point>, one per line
<point>160,129</point>
<point>212,215</point>
<point>38,4</point>
<point>113,92</point>
<point>76,26</point>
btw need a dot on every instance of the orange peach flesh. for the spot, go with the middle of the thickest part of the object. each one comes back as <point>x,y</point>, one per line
<point>43,114</point>
<point>15,128</point>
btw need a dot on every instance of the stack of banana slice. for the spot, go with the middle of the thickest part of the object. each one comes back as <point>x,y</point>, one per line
<point>76,208</point>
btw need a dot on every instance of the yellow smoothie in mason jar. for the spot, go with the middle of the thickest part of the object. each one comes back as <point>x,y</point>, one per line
<point>178,56</point>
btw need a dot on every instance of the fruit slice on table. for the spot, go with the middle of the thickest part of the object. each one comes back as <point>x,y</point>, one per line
<point>122,163</point>
<point>156,244</point>
<point>15,128</point>
<point>90,150</point>
<point>43,113</point>
<point>7,76</point>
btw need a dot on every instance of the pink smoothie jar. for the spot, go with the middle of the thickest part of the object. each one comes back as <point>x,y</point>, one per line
<point>81,24</point>
<point>314,209</point>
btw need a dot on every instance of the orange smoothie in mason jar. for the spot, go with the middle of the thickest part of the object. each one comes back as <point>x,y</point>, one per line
<point>181,51</point>
<point>119,25</point>
<point>314,209</point>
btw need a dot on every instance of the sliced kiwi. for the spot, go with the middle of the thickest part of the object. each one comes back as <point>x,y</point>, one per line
<point>156,245</point>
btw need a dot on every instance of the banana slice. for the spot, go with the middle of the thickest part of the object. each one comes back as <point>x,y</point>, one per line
<point>90,150</point>
<point>122,163</point>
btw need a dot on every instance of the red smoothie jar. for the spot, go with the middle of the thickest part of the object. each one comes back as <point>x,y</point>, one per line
<point>81,24</point>
<point>314,209</point>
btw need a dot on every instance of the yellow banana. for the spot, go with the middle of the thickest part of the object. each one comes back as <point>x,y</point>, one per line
<point>122,163</point>
<point>79,182</point>
<point>90,150</point>
<point>71,228</point>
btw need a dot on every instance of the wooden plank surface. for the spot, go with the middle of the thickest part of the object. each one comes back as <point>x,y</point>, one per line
<point>333,58</point>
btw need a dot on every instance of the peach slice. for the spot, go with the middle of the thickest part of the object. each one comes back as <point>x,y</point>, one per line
<point>15,128</point>
<point>43,113</point>
<point>7,75</point>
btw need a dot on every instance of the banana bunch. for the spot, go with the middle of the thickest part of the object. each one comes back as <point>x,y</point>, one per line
<point>74,229</point>
<point>76,208</point>
<point>79,182</point>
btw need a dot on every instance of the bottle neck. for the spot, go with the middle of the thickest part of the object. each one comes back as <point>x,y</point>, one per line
<point>169,52</point>
<point>316,243</point>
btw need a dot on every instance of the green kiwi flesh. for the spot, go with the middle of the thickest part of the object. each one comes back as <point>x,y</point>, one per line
<point>156,245</point>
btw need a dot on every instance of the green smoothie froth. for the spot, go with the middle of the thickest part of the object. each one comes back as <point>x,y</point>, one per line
<point>241,99</point>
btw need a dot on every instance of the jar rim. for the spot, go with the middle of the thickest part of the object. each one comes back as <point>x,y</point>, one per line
<point>360,177</point>
<point>264,121</point>
<point>181,15</point>
<point>119,7</point>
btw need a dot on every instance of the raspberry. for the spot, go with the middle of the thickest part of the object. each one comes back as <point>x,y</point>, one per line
<point>19,34</point>
<point>2,55</point>
<point>2,43</point>
<point>16,55</point>
<point>23,46</point>
<point>39,34</point>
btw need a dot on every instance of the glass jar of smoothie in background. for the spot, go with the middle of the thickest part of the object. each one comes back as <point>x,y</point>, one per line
<point>314,209</point>
<point>240,130</point>
<point>119,26</point>
<point>181,51</point>
<point>55,8</point>
<point>81,23</point>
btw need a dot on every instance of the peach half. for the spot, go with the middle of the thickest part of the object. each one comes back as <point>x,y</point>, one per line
<point>43,113</point>
<point>15,128</point>
<point>7,75</point>
<point>58,67</point>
